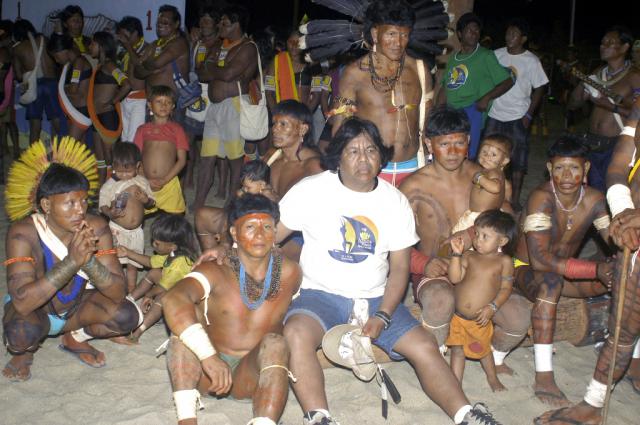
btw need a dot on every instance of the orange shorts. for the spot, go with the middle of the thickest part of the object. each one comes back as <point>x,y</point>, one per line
<point>474,339</point>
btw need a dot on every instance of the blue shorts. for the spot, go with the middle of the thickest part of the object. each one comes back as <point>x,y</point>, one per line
<point>331,310</point>
<point>55,323</point>
<point>46,100</point>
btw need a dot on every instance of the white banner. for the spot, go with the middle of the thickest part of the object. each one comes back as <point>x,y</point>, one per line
<point>98,14</point>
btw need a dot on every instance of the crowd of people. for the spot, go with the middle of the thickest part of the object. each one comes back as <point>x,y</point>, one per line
<point>402,191</point>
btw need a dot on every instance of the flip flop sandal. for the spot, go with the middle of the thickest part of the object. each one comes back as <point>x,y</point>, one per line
<point>16,370</point>
<point>75,352</point>
<point>556,418</point>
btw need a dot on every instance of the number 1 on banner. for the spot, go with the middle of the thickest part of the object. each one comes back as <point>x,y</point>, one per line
<point>149,20</point>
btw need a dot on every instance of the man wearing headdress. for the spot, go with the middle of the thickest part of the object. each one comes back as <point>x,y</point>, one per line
<point>384,86</point>
<point>621,81</point>
<point>63,276</point>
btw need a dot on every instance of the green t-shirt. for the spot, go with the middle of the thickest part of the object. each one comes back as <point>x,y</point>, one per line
<point>471,76</point>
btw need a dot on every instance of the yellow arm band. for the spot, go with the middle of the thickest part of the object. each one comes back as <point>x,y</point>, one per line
<point>197,340</point>
<point>537,222</point>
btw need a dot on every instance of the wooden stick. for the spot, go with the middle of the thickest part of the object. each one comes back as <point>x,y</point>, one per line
<point>622,289</point>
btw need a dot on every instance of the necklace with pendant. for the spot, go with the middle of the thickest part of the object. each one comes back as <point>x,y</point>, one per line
<point>569,211</point>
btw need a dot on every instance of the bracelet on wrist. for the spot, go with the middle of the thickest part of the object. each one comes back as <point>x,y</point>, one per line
<point>455,254</point>
<point>386,319</point>
<point>493,306</point>
<point>528,115</point>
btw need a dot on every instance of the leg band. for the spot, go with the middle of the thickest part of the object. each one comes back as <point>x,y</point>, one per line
<point>498,356</point>
<point>428,326</point>
<point>289,373</point>
<point>80,335</point>
<point>187,402</point>
<point>636,350</point>
<point>596,393</point>
<point>543,354</point>
<point>545,301</point>
<point>461,413</point>
<point>140,313</point>
<point>261,421</point>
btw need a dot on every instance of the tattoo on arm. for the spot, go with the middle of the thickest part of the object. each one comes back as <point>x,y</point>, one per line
<point>98,273</point>
<point>62,272</point>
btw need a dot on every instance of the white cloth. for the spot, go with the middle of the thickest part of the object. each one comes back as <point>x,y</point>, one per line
<point>111,188</point>
<point>529,74</point>
<point>133,115</point>
<point>347,234</point>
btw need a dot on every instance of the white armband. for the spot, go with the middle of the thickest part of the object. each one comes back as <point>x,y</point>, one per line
<point>628,131</point>
<point>197,340</point>
<point>206,287</point>
<point>602,223</point>
<point>619,199</point>
<point>537,222</point>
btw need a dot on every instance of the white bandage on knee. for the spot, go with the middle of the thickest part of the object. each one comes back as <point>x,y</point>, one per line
<point>262,420</point>
<point>206,287</point>
<point>498,356</point>
<point>636,350</point>
<point>619,199</point>
<point>461,413</point>
<point>80,335</point>
<point>187,402</point>
<point>197,340</point>
<point>628,131</point>
<point>542,355</point>
<point>596,393</point>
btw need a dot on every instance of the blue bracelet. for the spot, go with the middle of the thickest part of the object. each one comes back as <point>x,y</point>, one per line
<point>528,115</point>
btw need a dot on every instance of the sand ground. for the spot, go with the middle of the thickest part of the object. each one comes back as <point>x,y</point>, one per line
<point>133,388</point>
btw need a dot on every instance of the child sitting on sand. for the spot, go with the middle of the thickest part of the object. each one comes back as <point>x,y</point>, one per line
<point>123,199</point>
<point>482,279</point>
<point>490,185</point>
<point>164,149</point>
<point>175,246</point>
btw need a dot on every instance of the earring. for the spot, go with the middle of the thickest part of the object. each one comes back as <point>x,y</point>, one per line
<point>375,47</point>
<point>235,245</point>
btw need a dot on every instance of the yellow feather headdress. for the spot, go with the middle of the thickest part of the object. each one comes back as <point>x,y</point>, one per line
<point>25,173</point>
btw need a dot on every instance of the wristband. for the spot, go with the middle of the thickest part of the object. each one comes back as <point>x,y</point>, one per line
<point>528,115</point>
<point>619,199</point>
<point>455,254</point>
<point>386,319</point>
<point>493,306</point>
<point>419,262</point>
<point>197,340</point>
<point>476,178</point>
<point>580,269</point>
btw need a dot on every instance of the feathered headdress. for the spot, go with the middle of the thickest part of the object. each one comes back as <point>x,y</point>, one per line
<point>324,38</point>
<point>25,173</point>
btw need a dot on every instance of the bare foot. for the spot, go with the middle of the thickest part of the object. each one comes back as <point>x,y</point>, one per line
<point>504,370</point>
<point>82,351</point>
<point>125,340</point>
<point>18,369</point>
<point>496,385</point>
<point>581,413</point>
<point>633,375</point>
<point>547,391</point>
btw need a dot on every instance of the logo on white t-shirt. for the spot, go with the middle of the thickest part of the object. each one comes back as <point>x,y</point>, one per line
<point>359,236</point>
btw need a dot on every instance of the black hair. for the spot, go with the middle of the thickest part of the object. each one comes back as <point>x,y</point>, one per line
<point>161,90</point>
<point>59,42</point>
<point>251,204</point>
<point>265,39</point>
<point>59,179</point>
<point>237,13</point>
<point>445,120</point>
<point>501,139</point>
<point>107,43</point>
<point>349,130</point>
<point>210,11</point>
<point>130,24</point>
<point>175,229</point>
<point>567,147</point>
<point>503,224</point>
<point>387,12</point>
<point>521,24</point>
<point>173,10</point>
<point>126,154</point>
<point>293,108</point>
<point>466,19</point>
<point>69,11</point>
<point>7,26</point>
<point>255,170</point>
<point>22,28</point>
<point>624,34</point>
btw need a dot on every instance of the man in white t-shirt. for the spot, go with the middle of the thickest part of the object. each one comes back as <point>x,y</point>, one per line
<point>358,231</point>
<point>512,113</point>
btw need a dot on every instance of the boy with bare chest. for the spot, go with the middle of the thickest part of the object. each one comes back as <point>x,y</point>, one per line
<point>482,279</point>
<point>164,147</point>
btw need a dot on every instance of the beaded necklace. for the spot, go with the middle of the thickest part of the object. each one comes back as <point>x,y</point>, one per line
<point>254,293</point>
<point>384,84</point>
<point>568,210</point>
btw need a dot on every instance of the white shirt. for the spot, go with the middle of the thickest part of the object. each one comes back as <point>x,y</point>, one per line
<point>347,234</point>
<point>529,75</point>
